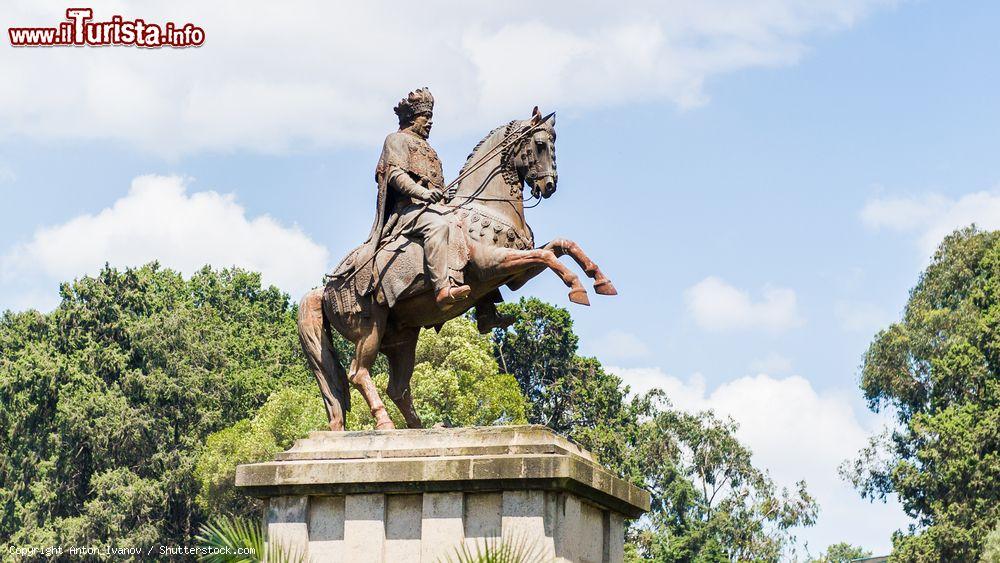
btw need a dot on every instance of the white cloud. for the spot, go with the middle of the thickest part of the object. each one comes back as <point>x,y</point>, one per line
<point>932,217</point>
<point>273,75</point>
<point>618,345</point>
<point>159,220</point>
<point>796,432</point>
<point>643,380</point>
<point>772,363</point>
<point>717,306</point>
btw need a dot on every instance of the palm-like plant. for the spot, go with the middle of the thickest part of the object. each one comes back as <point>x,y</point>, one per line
<point>497,550</point>
<point>236,540</point>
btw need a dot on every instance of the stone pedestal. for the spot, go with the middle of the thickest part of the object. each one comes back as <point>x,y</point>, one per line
<point>418,495</point>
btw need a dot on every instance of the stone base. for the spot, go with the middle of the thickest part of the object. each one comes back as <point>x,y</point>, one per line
<point>419,495</point>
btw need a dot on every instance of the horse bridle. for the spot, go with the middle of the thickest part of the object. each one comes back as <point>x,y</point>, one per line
<point>518,141</point>
<point>520,147</point>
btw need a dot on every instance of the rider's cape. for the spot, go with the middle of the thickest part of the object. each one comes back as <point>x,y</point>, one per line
<point>415,156</point>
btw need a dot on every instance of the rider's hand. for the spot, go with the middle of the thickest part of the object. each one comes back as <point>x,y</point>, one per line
<point>433,196</point>
<point>451,193</point>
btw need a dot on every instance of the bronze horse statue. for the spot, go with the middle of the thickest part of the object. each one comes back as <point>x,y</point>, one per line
<point>487,207</point>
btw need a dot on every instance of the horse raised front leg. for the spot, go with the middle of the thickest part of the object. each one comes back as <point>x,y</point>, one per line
<point>602,285</point>
<point>531,262</point>
<point>365,353</point>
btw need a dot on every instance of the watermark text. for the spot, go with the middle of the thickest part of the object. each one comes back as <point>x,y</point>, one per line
<point>90,551</point>
<point>80,30</point>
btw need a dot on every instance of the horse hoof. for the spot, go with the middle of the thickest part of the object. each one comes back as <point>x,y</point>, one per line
<point>605,288</point>
<point>579,296</point>
<point>385,425</point>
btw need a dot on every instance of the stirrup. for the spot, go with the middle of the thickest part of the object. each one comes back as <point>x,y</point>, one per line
<point>451,295</point>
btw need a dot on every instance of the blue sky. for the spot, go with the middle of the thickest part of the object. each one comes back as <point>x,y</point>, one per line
<point>763,182</point>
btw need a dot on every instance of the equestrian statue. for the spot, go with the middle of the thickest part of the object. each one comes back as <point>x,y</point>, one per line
<point>435,251</point>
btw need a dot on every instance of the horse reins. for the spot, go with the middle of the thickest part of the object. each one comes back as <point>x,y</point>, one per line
<point>509,141</point>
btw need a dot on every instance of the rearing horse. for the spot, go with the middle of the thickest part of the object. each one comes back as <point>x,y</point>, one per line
<point>488,209</point>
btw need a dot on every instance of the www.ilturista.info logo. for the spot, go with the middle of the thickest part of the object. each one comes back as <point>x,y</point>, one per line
<point>79,30</point>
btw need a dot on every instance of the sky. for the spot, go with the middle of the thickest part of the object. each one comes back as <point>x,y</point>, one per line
<point>763,181</point>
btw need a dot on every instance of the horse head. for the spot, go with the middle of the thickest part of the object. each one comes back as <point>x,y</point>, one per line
<point>536,156</point>
<point>511,156</point>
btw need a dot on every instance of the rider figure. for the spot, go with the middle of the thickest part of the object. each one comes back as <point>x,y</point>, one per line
<point>410,185</point>
<point>409,173</point>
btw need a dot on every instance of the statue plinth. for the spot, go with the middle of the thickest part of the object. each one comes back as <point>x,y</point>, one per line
<point>418,495</point>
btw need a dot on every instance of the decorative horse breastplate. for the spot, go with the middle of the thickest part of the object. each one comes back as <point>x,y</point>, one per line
<point>488,228</point>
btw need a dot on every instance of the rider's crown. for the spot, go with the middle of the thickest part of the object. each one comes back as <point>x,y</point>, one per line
<point>416,102</point>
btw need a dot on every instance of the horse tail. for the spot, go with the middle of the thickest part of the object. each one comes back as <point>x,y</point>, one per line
<point>324,361</point>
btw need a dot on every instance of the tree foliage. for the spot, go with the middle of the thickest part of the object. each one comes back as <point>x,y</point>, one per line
<point>710,503</point>
<point>124,413</point>
<point>937,370</point>
<point>991,547</point>
<point>105,402</point>
<point>571,394</point>
<point>842,552</point>
<point>456,381</point>
<point>287,415</point>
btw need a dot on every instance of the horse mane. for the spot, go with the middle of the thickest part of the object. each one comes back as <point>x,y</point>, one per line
<point>488,136</point>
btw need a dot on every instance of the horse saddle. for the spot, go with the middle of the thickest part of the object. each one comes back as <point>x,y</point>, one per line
<point>399,271</point>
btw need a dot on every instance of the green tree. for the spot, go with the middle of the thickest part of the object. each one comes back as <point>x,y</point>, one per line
<point>937,370</point>
<point>456,382</point>
<point>287,415</point>
<point>571,394</point>
<point>539,349</point>
<point>709,502</point>
<point>124,412</point>
<point>106,401</point>
<point>143,389</point>
<point>991,547</point>
<point>842,552</point>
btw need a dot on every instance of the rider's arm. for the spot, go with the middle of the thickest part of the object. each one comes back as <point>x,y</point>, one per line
<point>402,182</point>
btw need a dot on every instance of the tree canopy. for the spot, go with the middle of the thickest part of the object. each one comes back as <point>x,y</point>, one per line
<point>842,552</point>
<point>710,503</point>
<point>124,412</point>
<point>937,370</point>
<point>106,401</point>
<point>455,381</point>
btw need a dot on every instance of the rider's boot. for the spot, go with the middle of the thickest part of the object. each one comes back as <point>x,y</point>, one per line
<point>489,318</point>
<point>446,297</point>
